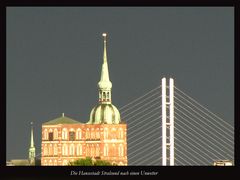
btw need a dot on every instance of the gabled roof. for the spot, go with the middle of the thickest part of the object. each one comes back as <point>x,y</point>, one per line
<point>62,120</point>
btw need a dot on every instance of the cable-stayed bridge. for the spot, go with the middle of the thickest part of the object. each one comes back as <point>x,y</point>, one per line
<point>200,136</point>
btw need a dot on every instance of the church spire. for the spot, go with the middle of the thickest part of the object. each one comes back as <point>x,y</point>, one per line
<point>105,47</point>
<point>32,142</point>
<point>31,151</point>
<point>105,84</point>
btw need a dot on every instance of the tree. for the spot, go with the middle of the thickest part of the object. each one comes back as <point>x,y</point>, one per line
<point>82,162</point>
<point>102,163</point>
<point>89,162</point>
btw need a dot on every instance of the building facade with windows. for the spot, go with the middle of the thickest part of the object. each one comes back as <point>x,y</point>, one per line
<point>103,137</point>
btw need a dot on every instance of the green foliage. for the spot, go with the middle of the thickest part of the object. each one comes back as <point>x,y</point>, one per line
<point>102,163</point>
<point>89,162</point>
<point>82,162</point>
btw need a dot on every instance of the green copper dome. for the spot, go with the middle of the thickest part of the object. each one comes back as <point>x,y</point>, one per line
<point>105,113</point>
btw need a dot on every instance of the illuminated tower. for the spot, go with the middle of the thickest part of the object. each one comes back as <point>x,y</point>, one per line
<point>31,151</point>
<point>168,123</point>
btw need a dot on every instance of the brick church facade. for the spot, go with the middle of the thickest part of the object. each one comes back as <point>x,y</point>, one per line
<point>103,137</point>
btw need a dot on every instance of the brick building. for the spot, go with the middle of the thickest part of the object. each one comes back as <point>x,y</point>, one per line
<point>103,137</point>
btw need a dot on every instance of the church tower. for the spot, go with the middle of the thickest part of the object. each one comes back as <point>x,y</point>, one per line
<point>105,112</point>
<point>31,151</point>
<point>103,137</point>
<point>105,122</point>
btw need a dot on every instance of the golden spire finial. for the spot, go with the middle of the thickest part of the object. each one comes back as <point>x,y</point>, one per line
<point>104,35</point>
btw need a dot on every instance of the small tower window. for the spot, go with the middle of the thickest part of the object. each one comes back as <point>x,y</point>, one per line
<point>104,95</point>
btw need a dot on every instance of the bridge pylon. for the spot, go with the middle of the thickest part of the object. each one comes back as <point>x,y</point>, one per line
<point>167,122</point>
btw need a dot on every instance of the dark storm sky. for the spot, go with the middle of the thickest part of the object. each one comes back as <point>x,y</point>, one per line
<point>54,57</point>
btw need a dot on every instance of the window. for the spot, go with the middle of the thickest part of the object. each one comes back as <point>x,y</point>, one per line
<point>50,152</point>
<point>87,151</point>
<point>92,151</point>
<point>71,136</point>
<point>92,135</point>
<point>87,134</point>
<point>105,149</point>
<point>121,133</point>
<point>113,150</point>
<point>45,134</point>
<point>65,150</point>
<point>97,151</point>
<point>45,151</point>
<point>120,150</point>
<point>55,150</point>
<point>79,149</point>
<point>55,134</point>
<point>50,136</point>
<point>97,134</point>
<point>105,133</point>
<point>71,150</point>
<point>64,134</point>
<point>79,134</point>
